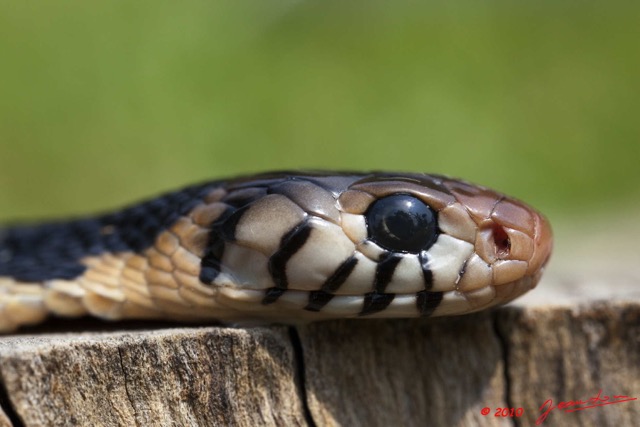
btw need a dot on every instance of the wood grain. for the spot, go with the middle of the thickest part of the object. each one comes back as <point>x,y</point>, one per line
<point>343,373</point>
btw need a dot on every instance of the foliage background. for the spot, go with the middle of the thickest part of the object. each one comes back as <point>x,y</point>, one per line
<point>102,103</point>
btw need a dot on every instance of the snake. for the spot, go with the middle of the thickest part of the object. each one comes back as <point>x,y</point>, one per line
<point>280,248</point>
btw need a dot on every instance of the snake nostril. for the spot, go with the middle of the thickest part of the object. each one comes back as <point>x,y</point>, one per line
<point>501,242</point>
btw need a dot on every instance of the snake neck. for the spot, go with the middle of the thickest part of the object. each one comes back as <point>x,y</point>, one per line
<point>54,250</point>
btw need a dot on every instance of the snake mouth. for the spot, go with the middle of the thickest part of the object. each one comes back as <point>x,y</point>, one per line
<point>293,306</point>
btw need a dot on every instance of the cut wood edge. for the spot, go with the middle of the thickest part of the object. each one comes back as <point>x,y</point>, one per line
<point>369,372</point>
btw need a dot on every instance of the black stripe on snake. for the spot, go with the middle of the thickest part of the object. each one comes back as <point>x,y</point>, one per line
<point>281,247</point>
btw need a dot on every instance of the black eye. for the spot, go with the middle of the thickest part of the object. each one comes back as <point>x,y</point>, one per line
<point>402,223</point>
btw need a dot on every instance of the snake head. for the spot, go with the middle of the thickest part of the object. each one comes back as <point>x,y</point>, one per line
<point>309,246</point>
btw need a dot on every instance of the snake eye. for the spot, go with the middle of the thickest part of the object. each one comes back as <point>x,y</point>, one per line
<point>402,223</point>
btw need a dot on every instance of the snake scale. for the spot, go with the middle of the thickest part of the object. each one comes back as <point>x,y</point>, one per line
<point>281,247</point>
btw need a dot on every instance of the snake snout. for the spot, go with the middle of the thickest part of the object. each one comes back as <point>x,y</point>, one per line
<point>543,243</point>
<point>515,241</point>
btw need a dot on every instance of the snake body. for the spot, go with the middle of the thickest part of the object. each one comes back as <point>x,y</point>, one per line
<point>286,247</point>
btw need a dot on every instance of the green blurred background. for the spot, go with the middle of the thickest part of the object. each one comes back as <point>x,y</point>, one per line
<point>102,103</point>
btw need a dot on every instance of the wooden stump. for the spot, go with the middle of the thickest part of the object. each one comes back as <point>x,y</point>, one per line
<point>439,372</point>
